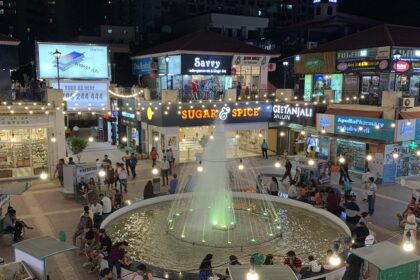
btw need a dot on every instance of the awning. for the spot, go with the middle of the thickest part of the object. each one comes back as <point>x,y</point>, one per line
<point>410,115</point>
<point>357,113</point>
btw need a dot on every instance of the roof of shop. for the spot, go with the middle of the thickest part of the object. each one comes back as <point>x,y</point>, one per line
<point>385,255</point>
<point>6,40</point>
<point>357,113</point>
<point>379,36</point>
<point>205,42</point>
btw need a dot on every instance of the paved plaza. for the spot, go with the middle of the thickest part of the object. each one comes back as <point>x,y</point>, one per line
<point>44,207</point>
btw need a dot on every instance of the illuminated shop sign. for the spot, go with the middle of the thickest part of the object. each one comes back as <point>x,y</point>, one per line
<point>363,60</point>
<point>294,114</point>
<point>379,129</point>
<point>401,66</point>
<point>405,130</point>
<point>325,122</point>
<point>142,66</point>
<point>128,115</point>
<point>409,62</point>
<point>197,116</point>
<point>253,60</point>
<point>206,64</point>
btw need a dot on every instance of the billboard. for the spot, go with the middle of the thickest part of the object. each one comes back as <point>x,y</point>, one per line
<point>77,61</point>
<point>205,64</point>
<point>82,96</point>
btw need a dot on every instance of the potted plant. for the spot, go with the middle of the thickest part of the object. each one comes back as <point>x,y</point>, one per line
<point>77,146</point>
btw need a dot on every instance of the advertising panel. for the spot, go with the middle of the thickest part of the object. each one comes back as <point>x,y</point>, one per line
<point>210,114</point>
<point>205,64</point>
<point>77,61</point>
<point>409,62</point>
<point>326,122</point>
<point>374,59</point>
<point>390,164</point>
<point>303,115</point>
<point>174,65</point>
<point>252,60</point>
<point>142,66</point>
<point>405,130</point>
<point>81,96</point>
<point>307,95</point>
<point>379,129</point>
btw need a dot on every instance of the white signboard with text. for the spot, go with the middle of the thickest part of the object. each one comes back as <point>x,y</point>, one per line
<point>76,61</point>
<point>81,96</point>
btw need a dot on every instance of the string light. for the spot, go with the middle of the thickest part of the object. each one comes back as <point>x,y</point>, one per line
<point>124,95</point>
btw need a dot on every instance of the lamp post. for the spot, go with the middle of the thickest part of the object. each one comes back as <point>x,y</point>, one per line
<point>285,65</point>
<point>57,56</point>
<point>167,71</point>
<point>396,56</point>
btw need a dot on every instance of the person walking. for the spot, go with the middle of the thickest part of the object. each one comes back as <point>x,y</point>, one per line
<point>106,161</point>
<point>164,167</point>
<point>371,194</point>
<point>274,186</point>
<point>59,169</point>
<point>365,182</point>
<point>288,165</point>
<point>132,165</point>
<point>126,160</point>
<point>264,149</point>
<point>123,178</point>
<point>153,155</point>
<point>170,157</point>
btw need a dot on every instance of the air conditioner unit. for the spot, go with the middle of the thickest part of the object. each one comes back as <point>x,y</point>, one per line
<point>407,102</point>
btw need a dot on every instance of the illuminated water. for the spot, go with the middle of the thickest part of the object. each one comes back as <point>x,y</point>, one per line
<point>145,229</point>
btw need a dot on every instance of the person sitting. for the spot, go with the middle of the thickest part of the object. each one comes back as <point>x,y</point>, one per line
<point>327,265</point>
<point>85,221</point>
<point>318,202</point>
<point>303,194</point>
<point>142,273</point>
<point>411,205</point>
<point>82,186</point>
<point>360,233</point>
<point>292,193</point>
<point>294,263</point>
<point>118,199</point>
<point>333,205</point>
<point>313,265</point>
<point>148,190</point>
<point>269,260</point>
<point>352,211</point>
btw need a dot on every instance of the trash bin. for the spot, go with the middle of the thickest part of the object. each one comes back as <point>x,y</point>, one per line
<point>156,185</point>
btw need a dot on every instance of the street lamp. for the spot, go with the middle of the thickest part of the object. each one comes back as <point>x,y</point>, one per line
<point>285,65</point>
<point>57,56</point>
<point>396,56</point>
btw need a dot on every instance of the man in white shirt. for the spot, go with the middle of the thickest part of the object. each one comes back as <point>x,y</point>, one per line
<point>122,176</point>
<point>365,181</point>
<point>164,167</point>
<point>96,209</point>
<point>106,205</point>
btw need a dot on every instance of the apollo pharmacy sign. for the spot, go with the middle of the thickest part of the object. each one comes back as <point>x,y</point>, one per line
<point>294,114</point>
<point>379,129</point>
<point>206,64</point>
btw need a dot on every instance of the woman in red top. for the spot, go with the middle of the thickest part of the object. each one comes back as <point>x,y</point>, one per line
<point>153,155</point>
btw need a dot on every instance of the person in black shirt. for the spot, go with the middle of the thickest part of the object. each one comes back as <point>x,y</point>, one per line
<point>352,211</point>
<point>353,268</point>
<point>288,173</point>
<point>105,243</point>
<point>360,234</point>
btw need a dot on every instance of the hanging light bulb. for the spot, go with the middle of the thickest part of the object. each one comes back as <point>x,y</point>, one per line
<point>200,167</point>
<point>211,136</point>
<point>241,165</point>
<point>418,153</point>
<point>156,138</point>
<point>303,132</point>
<point>277,163</point>
<point>90,139</point>
<point>155,171</point>
<point>124,139</point>
<point>53,139</point>
<point>341,159</point>
<point>311,162</point>
<point>282,134</point>
<point>369,157</point>
<point>13,139</point>
<point>237,135</point>
<point>184,139</point>
<point>323,131</point>
<point>260,135</point>
<point>395,155</point>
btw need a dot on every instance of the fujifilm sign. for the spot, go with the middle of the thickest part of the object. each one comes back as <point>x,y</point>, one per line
<point>299,115</point>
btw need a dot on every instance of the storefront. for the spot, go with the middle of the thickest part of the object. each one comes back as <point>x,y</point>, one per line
<point>366,71</point>
<point>185,129</point>
<point>25,146</point>
<point>128,124</point>
<point>317,77</point>
<point>198,72</point>
<point>296,131</point>
<point>354,138</point>
<point>406,66</point>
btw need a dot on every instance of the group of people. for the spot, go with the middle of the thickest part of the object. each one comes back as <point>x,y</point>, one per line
<point>290,259</point>
<point>166,165</point>
<point>13,225</point>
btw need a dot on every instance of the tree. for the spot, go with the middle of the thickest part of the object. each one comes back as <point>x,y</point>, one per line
<point>77,146</point>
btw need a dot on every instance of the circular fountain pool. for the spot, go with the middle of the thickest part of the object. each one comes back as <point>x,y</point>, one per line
<point>144,224</point>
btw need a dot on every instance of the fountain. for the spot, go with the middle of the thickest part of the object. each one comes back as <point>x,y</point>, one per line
<point>219,215</point>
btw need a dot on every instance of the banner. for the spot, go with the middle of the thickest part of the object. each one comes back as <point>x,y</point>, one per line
<point>142,66</point>
<point>77,61</point>
<point>192,64</point>
<point>379,129</point>
<point>390,164</point>
<point>405,130</point>
<point>81,96</point>
<point>252,60</point>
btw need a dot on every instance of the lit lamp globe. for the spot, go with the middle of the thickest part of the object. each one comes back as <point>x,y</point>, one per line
<point>90,139</point>
<point>237,136</point>
<point>155,171</point>
<point>252,275</point>
<point>53,139</point>
<point>156,138</point>
<point>341,160</point>
<point>418,153</point>
<point>282,134</point>
<point>260,135</point>
<point>124,139</point>
<point>335,260</point>
<point>43,175</point>
<point>101,173</point>
<point>277,164</point>
<point>395,155</point>
<point>408,246</point>
<point>311,162</point>
<point>323,131</point>
<point>211,136</point>
<point>241,165</point>
<point>200,168</point>
<point>369,157</point>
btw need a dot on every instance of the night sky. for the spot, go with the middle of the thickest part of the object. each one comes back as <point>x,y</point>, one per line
<point>404,12</point>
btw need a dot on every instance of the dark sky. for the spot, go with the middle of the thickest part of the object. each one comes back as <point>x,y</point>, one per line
<point>405,12</point>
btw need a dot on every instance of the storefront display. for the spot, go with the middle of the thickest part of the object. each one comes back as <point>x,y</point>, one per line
<point>355,153</point>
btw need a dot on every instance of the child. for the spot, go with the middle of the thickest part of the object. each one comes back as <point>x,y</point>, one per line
<point>314,266</point>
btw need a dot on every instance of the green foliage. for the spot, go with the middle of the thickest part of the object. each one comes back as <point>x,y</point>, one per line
<point>78,145</point>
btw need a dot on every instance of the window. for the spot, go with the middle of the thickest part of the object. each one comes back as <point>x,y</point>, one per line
<point>329,10</point>
<point>289,7</point>
<point>1,3</point>
<point>1,11</point>
<point>109,30</point>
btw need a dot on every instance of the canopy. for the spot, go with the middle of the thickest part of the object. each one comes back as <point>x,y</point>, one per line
<point>385,255</point>
<point>43,247</point>
<point>266,272</point>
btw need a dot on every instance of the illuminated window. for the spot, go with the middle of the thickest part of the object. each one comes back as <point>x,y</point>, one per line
<point>289,7</point>
<point>1,11</point>
<point>109,31</point>
<point>1,3</point>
